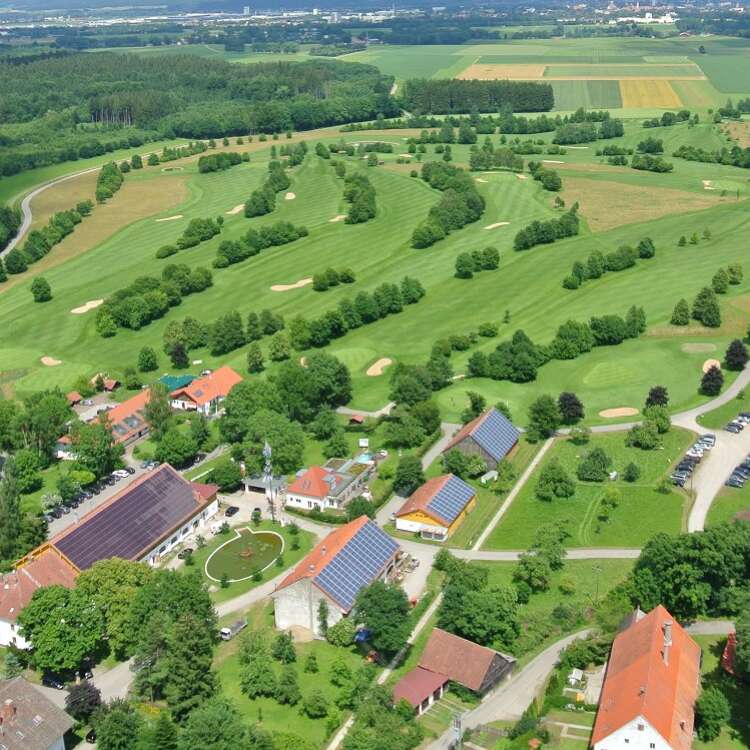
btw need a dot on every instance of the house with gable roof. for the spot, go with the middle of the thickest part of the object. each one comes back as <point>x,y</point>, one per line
<point>491,436</point>
<point>650,687</point>
<point>437,508</point>
<point>206,393</point>
<point>349,559</point>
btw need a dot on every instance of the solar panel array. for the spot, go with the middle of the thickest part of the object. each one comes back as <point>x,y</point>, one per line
<point>451,499</point>
<point>134,523</point>
<point>358,564</point>
<point>496,434</point>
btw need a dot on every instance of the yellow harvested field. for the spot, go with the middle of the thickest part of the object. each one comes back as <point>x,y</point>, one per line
<point>648,92</point>
<point>518,72</point>
<point>634,203</point>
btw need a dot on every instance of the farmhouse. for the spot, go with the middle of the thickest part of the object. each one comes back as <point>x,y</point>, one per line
<point>437,508</point>
<point>331,486</point>
<point>491,436</point>
<point>205,394</point>
<point>30,720</point>
<point>126,420</point>
<point>450,658</point>
<point>142,522</point>
<point>338,568</point>
<point>650,686</point>
<point>18,586</point>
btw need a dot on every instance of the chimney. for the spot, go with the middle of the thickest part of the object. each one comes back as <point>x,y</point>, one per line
<point>323,550</point>
<point>8,712</point>
<point>667,628</point>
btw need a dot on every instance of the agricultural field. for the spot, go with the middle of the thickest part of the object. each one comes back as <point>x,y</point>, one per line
<point>118,243</point>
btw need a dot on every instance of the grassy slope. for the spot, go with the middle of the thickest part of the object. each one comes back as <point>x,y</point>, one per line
<point>632,523</point>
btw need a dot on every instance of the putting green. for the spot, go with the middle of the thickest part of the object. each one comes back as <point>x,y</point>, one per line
<point>244,555</point>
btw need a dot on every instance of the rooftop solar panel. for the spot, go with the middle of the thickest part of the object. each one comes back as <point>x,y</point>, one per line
<point>451,499</point>
<point>133,523</point>
<point>496,434</point>
<point>358,564</point>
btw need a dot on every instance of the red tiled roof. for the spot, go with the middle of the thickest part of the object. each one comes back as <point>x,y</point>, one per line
<point>462,661</point>
<point>130,408</point>
<point>45,569</point>
<point>205,491</point>
<point>210,387</point>
<point>315,482</point>
<point>74,397</point>
<point>417,685</point>
<point>324,552</point>
<point>65,440</point>
<point>358,418</point>
<point>422,496</point>
<point>641,681</point>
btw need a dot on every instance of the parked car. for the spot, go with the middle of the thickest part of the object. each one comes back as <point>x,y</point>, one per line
<point>91,737</point>
<point>130,469</point>
<point>228,633</point>
<point>183,553</point>
<point>52,681</point>
<point>731,427</point>
<point>232,510</point>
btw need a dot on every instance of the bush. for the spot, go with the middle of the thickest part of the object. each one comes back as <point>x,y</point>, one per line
<point>554,482</point>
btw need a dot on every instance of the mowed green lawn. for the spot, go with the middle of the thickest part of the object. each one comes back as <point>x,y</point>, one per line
<point>527,285</point>
<point>641,513</point>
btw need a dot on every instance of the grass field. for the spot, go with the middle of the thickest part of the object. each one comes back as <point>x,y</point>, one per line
<point>641,513</point>
<point>605,378</point>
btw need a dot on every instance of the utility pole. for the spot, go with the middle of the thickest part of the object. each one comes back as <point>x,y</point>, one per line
<point>268,478</point>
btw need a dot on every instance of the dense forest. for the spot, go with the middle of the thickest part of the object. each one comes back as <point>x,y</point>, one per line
<point>447,96</point>
<point>82,105</point>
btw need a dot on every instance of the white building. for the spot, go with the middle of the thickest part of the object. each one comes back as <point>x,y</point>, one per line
<point>205,394</point>
<point>332,486</point>
<point>346,561</point>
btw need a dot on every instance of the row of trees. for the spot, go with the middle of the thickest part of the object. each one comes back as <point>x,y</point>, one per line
<point>649,163</point>
<point>10,223</point>
<point>519,359</point>
<point>40,241</point>
<point>331,277</point>
<point>545,232</point>
<point>263,200</point>
<point>149,298</point>
<point>197,231</point>
<point>734,156</point>
<point>488,157</point>
<point>459,205</point>
<point>449,95</point>
<point>587,131</point>
<point>255,240</point>
<point>597,264</point>
<point>221,161</point>
<point>108,182</point>
<point>360,194</point>
<point>467,264</point>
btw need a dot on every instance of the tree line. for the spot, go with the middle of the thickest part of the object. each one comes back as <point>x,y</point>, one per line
<point>263,199</point>
<point>108,182</point>
<point>733,157</point>
<point>255,240</point>
<point>453,95</point>
<point>545,232</point>
<point>221,161</point>
<point>459,205</point>
<point>598,264</point>
<point>197,231</point>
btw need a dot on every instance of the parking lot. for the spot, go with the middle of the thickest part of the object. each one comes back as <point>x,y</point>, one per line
<point>683,471</point>
<point>741,471</point>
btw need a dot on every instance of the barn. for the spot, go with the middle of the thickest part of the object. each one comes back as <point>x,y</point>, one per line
<point>491,436</point>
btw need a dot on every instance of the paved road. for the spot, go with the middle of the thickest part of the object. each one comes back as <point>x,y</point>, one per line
<point>711,627</point>
<point>511,698</point>
<point>583,553</point>
<point>383,411</point>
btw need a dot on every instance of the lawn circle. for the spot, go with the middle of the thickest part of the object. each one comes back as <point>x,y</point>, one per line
<point>232,562</point>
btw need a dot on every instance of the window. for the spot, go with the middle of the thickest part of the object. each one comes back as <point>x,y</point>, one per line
<point>627,741</point>
<point>641,727</point>
<point>652,745</point>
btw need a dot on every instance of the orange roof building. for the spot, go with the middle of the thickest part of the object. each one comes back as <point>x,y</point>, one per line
<point>205,394</point>
<point>650,687</point>
<point>46,568</point>
<point>126,420</point>
<point>350,558</point>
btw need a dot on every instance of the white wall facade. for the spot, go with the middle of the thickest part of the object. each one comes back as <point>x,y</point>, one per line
<point>298,605</point>
<point>308,503</point>
<point>207,409</point>
<point>9,635</point>
<point>427,531</point>
<point>192,525</point>
<point>637,734</point>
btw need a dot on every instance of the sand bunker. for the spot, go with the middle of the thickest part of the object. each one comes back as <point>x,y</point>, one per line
<point>169,218</point>
<point>90,305</point>
<point>479,179</point>
<point>521,176</point>
<point>303,361</point>
<point>406,156</point>
<point>551,161</point>
<point>580,148</point>
<point>236,209</point>
<point>172,169</point>
<point>378,367</point>
<point>498,224</point>
<point>709,363</point>
<point>289,197</point>
<point>708,185</point>
<point>287,287</point>
<point>698,348</point>
<point>338,217</point>
<point>620,411</point>
<point>51,361</point>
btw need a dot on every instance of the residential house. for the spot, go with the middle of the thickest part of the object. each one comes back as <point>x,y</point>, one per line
<point>110,384</point>
<point>17,587</point>
<point>491,436</point>
<point>650,686</point>
<point>29,720</point>
<point>206,393</point>
<point>437,508</point>
<point>74,398</point>
<point>332,486</point>
<point>450,658</point>
<point>350,558</point>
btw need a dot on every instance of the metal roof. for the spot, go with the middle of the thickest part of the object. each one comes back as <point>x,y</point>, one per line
<point>451,499</point>
<point>360,562</point>
<point>493,432</point>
